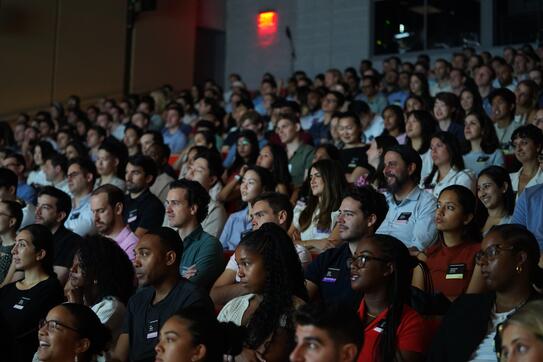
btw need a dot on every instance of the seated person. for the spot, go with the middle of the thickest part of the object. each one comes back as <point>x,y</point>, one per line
<point>162,293</point>
<point>353,153</point>
<point>11,215</point>
<point>419,128</point>
<point>332,333</point>
<point>527,143</point>
<point>451,260</point>
<point>508,259</point>
<point>394,121</point>
<point>496,195</point>
<point>271,270</point>
<point>81,176</point>
<point>110,158</point>
<point>274,158</point>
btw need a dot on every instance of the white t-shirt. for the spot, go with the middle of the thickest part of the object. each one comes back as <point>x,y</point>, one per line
<point>485,352</point>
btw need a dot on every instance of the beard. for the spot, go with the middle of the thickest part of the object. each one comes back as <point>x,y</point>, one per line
<point>399,182</point>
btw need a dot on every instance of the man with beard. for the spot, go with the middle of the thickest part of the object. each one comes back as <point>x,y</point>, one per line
<point>328,277</point>
<point>411,210</point>
<point>143,210</point>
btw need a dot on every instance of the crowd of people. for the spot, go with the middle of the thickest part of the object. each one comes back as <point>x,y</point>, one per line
<point>362,215</point>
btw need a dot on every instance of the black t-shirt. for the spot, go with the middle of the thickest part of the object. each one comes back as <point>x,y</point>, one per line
<point>23,309</point>
<point>144,211</point>
<point>329,272</point>
<point>66,243</point>
<point>143,320</point>
<point>350,158</point>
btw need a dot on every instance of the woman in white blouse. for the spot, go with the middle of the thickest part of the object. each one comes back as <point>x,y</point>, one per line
<point>527,142</point>
<point>448,168</point>
<point>496,194</point>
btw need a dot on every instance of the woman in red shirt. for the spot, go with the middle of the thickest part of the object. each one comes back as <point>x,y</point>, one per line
<point>381,269</point>
<point>451,260</point>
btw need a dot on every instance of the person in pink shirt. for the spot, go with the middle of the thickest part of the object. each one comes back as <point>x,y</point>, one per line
<point>107,204</point>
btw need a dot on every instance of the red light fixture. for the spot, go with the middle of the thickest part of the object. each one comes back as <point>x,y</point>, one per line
<point>267,23</point>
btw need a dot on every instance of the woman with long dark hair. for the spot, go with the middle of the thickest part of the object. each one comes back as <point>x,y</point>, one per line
<point>313,219</point>
<point>508,259</point>
<point>495,192</point>
<point>274,158</point>
<point>270,268</point>
<point>382,270</point>
<point>40,152</point>
<point>394,121</point>
<point>419,128</point>
<point>448,168</point>
<point>471,101</point>
<point>482,146</point>
<point>25,302</point>
<point>449,114</point>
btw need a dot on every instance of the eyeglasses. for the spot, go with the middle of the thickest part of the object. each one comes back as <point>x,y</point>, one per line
<point>53,326</point>
<point>491,252</point>
<point>360,261</point>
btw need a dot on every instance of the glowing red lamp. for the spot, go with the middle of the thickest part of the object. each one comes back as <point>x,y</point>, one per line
<point>267,23</point>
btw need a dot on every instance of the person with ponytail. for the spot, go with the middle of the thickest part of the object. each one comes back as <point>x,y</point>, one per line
<point>508,260</point>
<point>269,267</point>
<point>381,269</point>
<point>451,261</point>
<point>25,302</point>
<point>72,332</point>
<point>193,334</point>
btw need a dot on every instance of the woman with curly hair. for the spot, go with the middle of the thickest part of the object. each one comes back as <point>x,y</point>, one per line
<point>104,287</point>
<point>269,267</point>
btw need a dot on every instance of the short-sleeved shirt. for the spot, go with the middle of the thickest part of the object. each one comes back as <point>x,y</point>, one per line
<point>23,309</point>
<point>176,140</point>
<point>299,162</point>
<point>81,220</point>
<point>127,240</point>
<point>143,320</point>
<point>206,252</point>
<point>412,220</point>
<point>451,268</point>
<point>330,273</point>
<point>66,243</point>
<point>350,158</point>
<point>478,161</point>
<point>410,335</point>
<point>464,178</point>
<point>237,224</point>
<point>528,212</point>
<point>144,211</point>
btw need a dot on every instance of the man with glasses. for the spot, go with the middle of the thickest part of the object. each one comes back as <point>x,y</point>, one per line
<point>320,129</point>
<point>371,94</point>
<point>328,276</point>
<point>81,177</point>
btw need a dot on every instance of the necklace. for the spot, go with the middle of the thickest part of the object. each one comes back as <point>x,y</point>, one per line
<point>370,315</point>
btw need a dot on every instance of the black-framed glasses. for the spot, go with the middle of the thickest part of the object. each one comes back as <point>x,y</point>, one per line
<point>492,252</point>
<point>53,325</point>
<point>360,261</point>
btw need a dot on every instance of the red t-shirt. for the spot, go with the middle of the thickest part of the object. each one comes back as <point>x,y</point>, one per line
<point>451,268</point>
<point>410,335</point>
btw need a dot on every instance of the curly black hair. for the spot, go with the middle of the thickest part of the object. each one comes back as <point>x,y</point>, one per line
<point>114,277</point>
<point>284,279</point>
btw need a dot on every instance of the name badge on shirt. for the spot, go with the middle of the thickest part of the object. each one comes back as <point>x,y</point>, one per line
<point>331,275</point>
<point>403,218</point>
<point>455,271</point>
<point>132,215</point>
<point>152,329</point>
<point>483,158</point>
<point>380,327</point>
<point>21,303</point>
<point>74,216</point>
<point>353,163</point>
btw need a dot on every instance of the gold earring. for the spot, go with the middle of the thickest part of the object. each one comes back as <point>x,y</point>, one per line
<point>518,269</point>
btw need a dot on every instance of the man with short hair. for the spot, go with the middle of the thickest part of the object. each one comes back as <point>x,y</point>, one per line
<point>315,113</point>
<point>442,69</point>
<point>53,209</point>
<point>173,136</point>
<point>141,120</point>
<point>207,170</point>
<point>95,136</point>
<point>268,207</point>
<point>81,177</point>
<point>361,212</point>
<point>8,191</point>
<point>17,163</point>
<point>160,153</point>
<point>327,333</point>
<point>484,75</point>
<point>186,208</point>
<point>300,155</point>
<point>55,169</point>
<point>143,210</point>
<point>411,210</point>
<point>371,94</point>
<point>147,139</point>
<point>107,205</point>
<point>320,130</point>
<point>162,293</point>
<point>503,115</point>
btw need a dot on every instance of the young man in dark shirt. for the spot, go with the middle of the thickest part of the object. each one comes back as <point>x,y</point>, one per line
<point>143,211</point>
<point>162,293</point>
<point>360,214</point>
<point>53,208</point>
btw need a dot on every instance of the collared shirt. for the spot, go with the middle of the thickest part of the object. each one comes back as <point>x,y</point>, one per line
<point>377,104</point>
<point>299,162</point>
<point>204,251</point>
<point>237,224</point>
<point>176,141</point>
<point>398,98</point>
<point>536,180</point>
<point>454,177</point>
<point>528,212</point>
<point>161,187</point>
<point>127,240</point>
<point>504,136</point>
<point>412,221</point>
<point>81,220</point>
<point>374,129</point>
<point>115,181</point>
<point>63,186</point>
<point>312,118</point>
<point>478,160</point>
<point>26,192</point>
<point>436,88</point>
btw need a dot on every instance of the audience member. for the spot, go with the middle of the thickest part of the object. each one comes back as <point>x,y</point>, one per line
<point>528,212</point>
<point>274,158</point>
<point>503,112</point>
<point>17,163</point>
<point>111,158</point>
<point>160,153</point>
<point>353,152</point>
<point>172,133</point>
<point>81,177</point>
<point>496,194</point>
<point>41,151</point>
<point>8,191</point>
<point>394,121</point>
<point>419,128</point>
<point>527,143</point>
<point>449,115</point>
<point>374,175</point>
<point>11,216</point>
<point>56,170</point>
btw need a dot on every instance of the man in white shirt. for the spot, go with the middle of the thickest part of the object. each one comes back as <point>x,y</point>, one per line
<point>56,167</point>
<point>81,177</point>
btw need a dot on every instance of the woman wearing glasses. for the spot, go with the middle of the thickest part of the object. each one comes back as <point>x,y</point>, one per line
<point>508,260</point>
<point>381,270</point>
<point>71,332</point>
<point>24,303</point>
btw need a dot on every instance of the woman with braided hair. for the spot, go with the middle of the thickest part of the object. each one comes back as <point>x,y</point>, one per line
<point>269,267</point>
